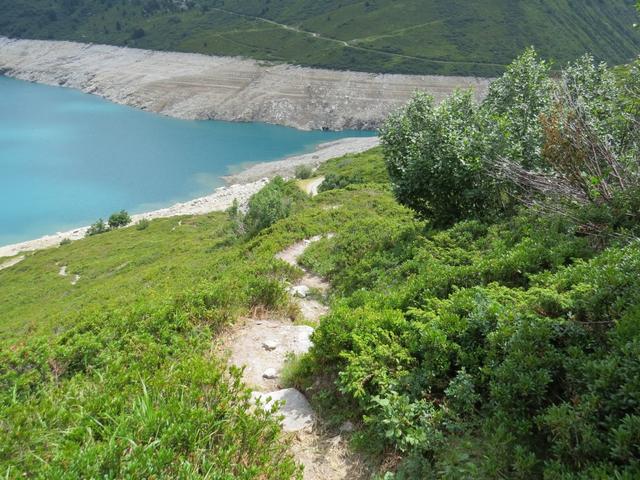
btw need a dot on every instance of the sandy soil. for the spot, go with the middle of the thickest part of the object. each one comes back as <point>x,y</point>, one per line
<point>198,86</point>
<point>287,166</point>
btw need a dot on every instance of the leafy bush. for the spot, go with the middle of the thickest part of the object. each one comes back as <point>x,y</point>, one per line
<point>138,33</point>
<point>334,181</point>
<point>275,201</point>
<point>119,219</point>
<point>65,241</point>
<point>143,224</point>
<point>514,104</point>
<point>97,228</point>
<point>435,158</point>
<point>574,142</point>
<point>303,172</point>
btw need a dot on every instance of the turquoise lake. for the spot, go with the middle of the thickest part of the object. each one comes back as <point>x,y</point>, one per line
<point>67,158</point>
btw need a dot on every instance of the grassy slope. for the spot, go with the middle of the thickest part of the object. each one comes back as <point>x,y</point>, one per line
<point>410,36</point>
<point>114,377</point>
<point>115,269</point>
<point>123,358</point>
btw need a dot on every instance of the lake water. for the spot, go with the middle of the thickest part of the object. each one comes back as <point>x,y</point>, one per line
<point>67,158</point>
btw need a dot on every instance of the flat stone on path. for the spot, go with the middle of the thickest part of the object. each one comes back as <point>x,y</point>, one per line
<point>300,291</point>
<point>248,348</point>
<point>296,410</point>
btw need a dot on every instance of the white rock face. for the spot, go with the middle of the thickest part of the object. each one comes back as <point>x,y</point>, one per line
<point>298,414</point>
<point>195,86</point>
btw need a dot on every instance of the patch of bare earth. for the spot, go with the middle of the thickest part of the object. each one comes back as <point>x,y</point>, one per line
<point>11,262</point>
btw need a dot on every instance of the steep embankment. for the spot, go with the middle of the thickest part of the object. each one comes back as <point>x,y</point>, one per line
<point>197,86</point>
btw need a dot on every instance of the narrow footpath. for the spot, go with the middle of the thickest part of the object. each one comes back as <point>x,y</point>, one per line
<point>262,345</point>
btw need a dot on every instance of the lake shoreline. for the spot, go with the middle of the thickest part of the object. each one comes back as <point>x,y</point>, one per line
<point>240,187</point>
<point>202,87</point>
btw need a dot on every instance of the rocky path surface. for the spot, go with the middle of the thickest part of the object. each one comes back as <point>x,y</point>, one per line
<point>262,346</point>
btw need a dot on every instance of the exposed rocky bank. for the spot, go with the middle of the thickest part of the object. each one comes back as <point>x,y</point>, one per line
<point>195,86</point>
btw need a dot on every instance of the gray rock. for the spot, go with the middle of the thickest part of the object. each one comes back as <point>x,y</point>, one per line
<point>270,374</point>
<point>296,410</point>
<point>302,339</point>
<point>269,345</point>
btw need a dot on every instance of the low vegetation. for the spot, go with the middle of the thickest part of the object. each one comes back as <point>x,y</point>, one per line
<point>97,228</point>
<point>116,220</point>
<point>436,37</point>
<point>498,337</point>
<point>303,172</point>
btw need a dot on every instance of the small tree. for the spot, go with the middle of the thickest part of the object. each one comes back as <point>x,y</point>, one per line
<point>143,224</point>
<point>236,217</point>
<point>119,219</point>
<point>513,106</point>
<point>97,228</point>
<point>435,158</point>
<point>138,33</point>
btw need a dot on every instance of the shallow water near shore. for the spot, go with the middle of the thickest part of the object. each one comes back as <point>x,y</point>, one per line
<point>67,158</point>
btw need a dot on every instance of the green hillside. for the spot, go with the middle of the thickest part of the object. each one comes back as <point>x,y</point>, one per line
<point>409,36</point>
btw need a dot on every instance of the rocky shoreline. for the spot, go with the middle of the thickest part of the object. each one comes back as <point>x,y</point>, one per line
<point>195,86</point>
<point>241,187</point>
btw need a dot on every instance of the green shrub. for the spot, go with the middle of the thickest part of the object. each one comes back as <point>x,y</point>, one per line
<point>236,217</point>
<point>143,224</point>
<point>513,106</point>
<point>119,219</point>
<point>65,241</point>
<point>334,181</point>
<point>97,228</point>
<point>131,394</point>
<point>513,378</point>
<point>303,172</point>
<point>275,201</point>
<point>138,33</point>
<point>435,157</point>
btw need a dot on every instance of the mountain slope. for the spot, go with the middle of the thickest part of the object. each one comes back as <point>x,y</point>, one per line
<point>408,36</point>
